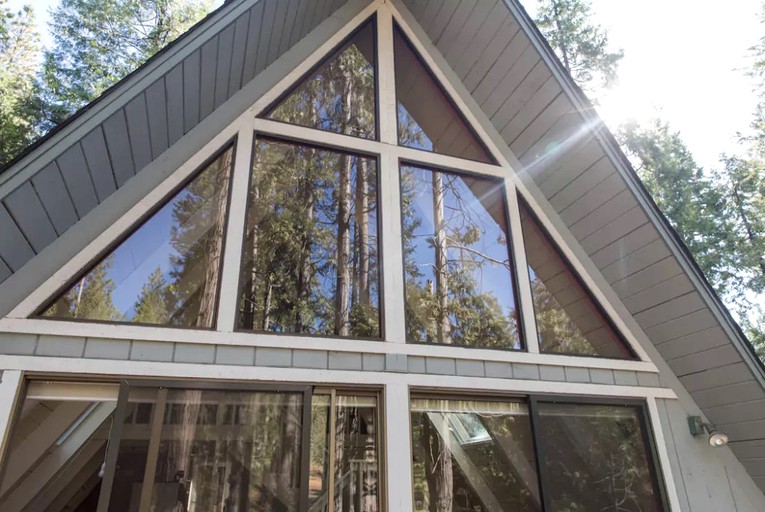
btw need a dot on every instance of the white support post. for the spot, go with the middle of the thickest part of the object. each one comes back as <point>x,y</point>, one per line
<point>388,121</point>
<point>232,255</point>
<point>661,449</point>
<point>398,448</point>
<point>527,319</point>
<point>394,313</point>
<point>11,384</point>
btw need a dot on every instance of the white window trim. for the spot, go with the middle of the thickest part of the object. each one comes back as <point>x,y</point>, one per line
<point>390,153</point>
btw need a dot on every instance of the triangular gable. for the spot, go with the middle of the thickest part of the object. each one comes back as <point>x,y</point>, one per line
<point>319,89</point>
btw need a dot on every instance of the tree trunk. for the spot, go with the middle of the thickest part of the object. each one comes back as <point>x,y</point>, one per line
<point>438,469</point>
<point>342,290</point>
<point>251,285</point>
<point>561,42</point>
<point>751,236</point>
<point>267,303</point>
<point>362,227</point>
<point>304,268</point>
<point>443,326</point>
<point>215,247</point>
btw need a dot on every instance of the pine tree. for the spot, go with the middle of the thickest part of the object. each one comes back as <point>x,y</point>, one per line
<point>683,191</point>
<point>98,42</point>
<point>19,48</point>
<point>151,306</point>
<point>581,45</point>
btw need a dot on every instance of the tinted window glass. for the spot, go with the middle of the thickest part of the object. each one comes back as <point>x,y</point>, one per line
<point>311,254</point>
<point>426,117</point>
<point>211,450</point>
<point>167,271</point>
<point>459,285</point>
<point>340,95</point>
<point>568,320</point>
<point>356,478</point>
<point>471,455</point>
<point>594,458</point>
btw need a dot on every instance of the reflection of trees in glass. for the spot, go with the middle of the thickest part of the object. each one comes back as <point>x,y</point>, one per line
<point>340,95</point>
<point>311,260</point>
<point>90,297</point>
<point>459,286</point>
<point>167,271</point>
<point>568,321</point>
<point>595,458</point>
<point>473,456</point>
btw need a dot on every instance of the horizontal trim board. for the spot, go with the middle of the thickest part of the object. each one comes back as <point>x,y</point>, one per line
<point>165,334</point>
<point>53,367</point>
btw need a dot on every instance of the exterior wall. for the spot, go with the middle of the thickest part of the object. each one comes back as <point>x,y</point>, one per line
<point>707,479</point>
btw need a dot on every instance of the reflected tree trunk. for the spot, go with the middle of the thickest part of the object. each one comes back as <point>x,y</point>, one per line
<point>215,248</point>
<point>304,266</point>
<point>342,293</point>
<point>362,226</point>
<point>438,469</point>
<point>443,326</point>
<point>248,314</point>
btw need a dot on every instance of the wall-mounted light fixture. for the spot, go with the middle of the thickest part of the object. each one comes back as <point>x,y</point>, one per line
<point>699,427</point>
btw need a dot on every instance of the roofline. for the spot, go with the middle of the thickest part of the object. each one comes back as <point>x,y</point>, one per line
<point>28,150</point>
<point>681,252</point>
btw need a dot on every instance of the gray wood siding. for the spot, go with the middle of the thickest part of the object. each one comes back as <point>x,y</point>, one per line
<point>82,176</point>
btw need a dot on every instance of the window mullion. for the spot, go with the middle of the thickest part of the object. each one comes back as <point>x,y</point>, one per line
<point>232,255</point>
<point>392,251</point>
<point>526,299</point>
<point>398,448</point>
<point>386,89</point>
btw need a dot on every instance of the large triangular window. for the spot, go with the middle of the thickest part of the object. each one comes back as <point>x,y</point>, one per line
<point>569,320</point>
<point>339,96</point>
<point>427,117</point>
<point>167,270</point>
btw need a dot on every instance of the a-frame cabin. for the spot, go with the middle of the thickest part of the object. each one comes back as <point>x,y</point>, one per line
<point>363,255</point>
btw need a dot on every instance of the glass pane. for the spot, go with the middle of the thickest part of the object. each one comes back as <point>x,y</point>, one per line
<point>595,458</point>
<point>311,251</point>
<point>568,320</point>
<point>167,271</point>
<point>356,475</point>
<point>356,479</point>
<point>340,95</point>
<point>56,446</point>
<point>471,455</point>
<point>214,450</point>
<point>427,119</point>
<point>459,284</point>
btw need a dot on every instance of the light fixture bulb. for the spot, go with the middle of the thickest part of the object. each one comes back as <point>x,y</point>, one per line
<point>717,439</point>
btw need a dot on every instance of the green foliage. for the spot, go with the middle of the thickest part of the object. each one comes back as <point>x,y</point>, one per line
<point>98,42</point>
<point>19,48</point>
<point>90,298</point>
<point>687,195</point>
<point>151,306</point>
<point>581,46</point>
